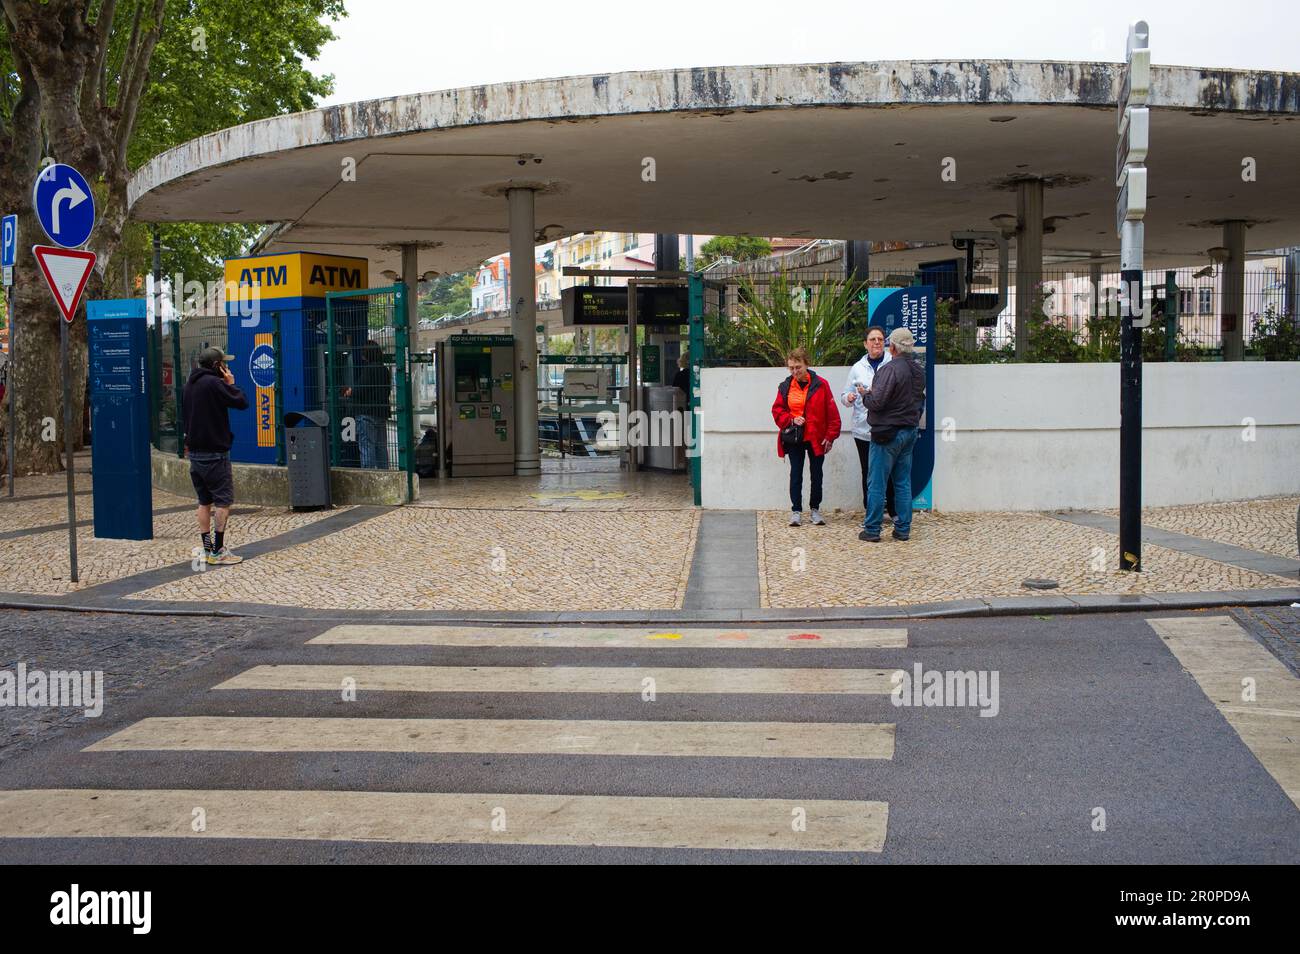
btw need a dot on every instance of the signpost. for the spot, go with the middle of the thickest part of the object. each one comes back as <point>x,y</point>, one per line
<point>10,251</point>
<point>1130,208</point>
<point>65,207</point>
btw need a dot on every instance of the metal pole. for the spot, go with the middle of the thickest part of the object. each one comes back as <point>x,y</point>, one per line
<point>1132,315</point>
<point>632,453</point>
<point>67,448</point>
<point>155,396</point>
<point>12,386</point>
<point>178,386</point>
<point>695,298</point>
<point>1130,400</point>
<point>1171,316</point>
<point>523,321</point>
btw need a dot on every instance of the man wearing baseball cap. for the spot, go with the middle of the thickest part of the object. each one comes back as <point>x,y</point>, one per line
<point>894,403</point>
<point>209,395</point>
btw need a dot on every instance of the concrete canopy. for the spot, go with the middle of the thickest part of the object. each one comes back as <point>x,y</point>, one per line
<point>837,150</point>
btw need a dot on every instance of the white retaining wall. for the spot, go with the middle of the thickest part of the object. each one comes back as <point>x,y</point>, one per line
<point>1035,436</point>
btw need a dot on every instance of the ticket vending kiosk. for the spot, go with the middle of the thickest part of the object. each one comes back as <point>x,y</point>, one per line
<point>476,405</point>
<point>120,418</point>
<point>285,291</point>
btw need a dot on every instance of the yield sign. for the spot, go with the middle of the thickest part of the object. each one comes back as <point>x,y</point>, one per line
<point>66,271</point>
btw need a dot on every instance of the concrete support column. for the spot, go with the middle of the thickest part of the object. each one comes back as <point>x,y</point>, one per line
<point>523,324</point>
<point>1232,291</point>
<point>411,279</point>
<point>1029,256</point>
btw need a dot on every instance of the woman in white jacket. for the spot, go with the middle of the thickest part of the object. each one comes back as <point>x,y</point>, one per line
<point>860,378</point>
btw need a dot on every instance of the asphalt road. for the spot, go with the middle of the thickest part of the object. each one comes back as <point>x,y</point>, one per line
<point>1093,712</point>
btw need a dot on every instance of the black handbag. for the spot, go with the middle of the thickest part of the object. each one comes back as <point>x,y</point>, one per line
<point>883,435</point>
<point>791,436</point>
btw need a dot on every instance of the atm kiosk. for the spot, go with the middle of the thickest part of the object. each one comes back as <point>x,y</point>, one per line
<point>476,405</point>
<point>289,290</point>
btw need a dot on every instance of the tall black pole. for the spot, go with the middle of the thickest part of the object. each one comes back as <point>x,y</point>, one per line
<point>67,448</point>
<point>1130,423</point>
<point>155,397</point>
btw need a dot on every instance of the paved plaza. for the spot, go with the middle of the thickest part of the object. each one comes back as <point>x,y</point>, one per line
<point>586,538</point>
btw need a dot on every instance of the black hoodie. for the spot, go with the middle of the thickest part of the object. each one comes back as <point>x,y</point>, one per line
<point>204,402</point>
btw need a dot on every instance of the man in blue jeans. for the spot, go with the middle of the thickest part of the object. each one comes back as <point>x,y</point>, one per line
<point>894,403</point>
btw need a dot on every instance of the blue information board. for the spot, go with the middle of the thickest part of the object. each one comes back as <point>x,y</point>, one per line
<point>120,418</point>
<point>913,308</point>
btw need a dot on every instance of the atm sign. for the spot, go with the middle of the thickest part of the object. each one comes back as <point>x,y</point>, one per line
<point>261,368</point>
<point>294,275</point>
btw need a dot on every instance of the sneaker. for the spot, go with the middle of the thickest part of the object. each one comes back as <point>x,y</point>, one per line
<point>794,518</point>
<point>899,536</point>
<point>869,537</point>
<point>224,557</point>
<point>817,519</point>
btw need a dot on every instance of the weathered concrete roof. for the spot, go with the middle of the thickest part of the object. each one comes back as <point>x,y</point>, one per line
<point>842,150</point>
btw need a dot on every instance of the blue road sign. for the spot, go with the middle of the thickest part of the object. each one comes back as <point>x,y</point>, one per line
<point>64,204</point>
<point>10,241</point>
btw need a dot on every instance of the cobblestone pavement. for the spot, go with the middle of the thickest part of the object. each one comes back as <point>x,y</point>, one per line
<point>420,558</point>
<point>39,563</point>
<point>1266,525</point>
<point>26,514</point>
<point>133,652</point>
<point>966,556</point>
<point>1277,627</point>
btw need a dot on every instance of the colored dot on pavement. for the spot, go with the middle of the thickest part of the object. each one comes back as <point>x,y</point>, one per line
<point>733,635</point>
<point>664,636</point>
<point>803,636</point>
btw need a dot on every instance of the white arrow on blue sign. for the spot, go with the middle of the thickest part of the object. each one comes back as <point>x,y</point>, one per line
<point>64,204</point>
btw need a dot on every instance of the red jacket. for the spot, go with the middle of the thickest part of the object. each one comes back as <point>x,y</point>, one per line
<point>820,413</point>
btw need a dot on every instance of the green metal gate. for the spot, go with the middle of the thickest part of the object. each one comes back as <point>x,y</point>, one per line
<point>368,381</point>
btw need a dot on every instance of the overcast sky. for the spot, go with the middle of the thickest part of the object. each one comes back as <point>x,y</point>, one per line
<point>389,47</point>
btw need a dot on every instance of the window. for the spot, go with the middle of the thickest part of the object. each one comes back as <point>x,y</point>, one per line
<point>1205,304</point>
<point>1185,301</point>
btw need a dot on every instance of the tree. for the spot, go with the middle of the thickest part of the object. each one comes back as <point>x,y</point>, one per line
<point>448,295</point>
<point>103,85</point>
<point>741,248</point>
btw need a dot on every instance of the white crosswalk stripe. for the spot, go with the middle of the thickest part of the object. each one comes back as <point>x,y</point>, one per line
<point>790,823</point>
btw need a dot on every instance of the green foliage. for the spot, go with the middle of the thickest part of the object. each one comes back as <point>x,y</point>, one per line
<point>741,248</point>
<point>448,295</point>
<point>218,63</point>
<point>785,314</point>
<point>1276,337</point>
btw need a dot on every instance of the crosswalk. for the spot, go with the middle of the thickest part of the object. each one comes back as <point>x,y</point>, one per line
<point>508,816</point>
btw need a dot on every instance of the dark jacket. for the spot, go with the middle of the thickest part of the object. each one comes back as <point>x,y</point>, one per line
<point>897,394</point>
<point>370,393</point>
<point>821,415</point>
<point>205,402</point>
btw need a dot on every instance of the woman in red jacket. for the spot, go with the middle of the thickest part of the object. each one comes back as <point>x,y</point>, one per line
<point>809,420</point>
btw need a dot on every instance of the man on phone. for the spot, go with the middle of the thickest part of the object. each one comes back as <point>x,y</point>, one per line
<point>209,394</point>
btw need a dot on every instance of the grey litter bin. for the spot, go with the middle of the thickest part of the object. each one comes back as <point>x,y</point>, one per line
<point>307,453</point>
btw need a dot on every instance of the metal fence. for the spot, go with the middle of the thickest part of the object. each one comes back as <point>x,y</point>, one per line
<point>182,342</point>
<point>1076,316</point>
<point>367,380</point>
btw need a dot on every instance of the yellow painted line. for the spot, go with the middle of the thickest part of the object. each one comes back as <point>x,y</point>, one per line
<point>834,740</point>
<point>1220,655</point>
<point>562,679</point>
<point>568,637</point>
<point>415,817</point>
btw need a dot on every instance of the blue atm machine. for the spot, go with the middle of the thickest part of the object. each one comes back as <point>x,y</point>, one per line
<point>120,418</point>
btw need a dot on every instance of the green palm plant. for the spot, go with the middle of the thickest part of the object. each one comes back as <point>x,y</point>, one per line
<point>788,313</point>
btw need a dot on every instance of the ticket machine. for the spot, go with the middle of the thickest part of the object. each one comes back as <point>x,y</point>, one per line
<point>476,405</point>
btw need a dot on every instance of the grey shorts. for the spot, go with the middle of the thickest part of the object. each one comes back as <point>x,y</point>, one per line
<point>212,480</point>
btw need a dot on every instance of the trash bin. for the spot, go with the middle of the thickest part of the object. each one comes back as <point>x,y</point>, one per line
<point>307,452</point>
